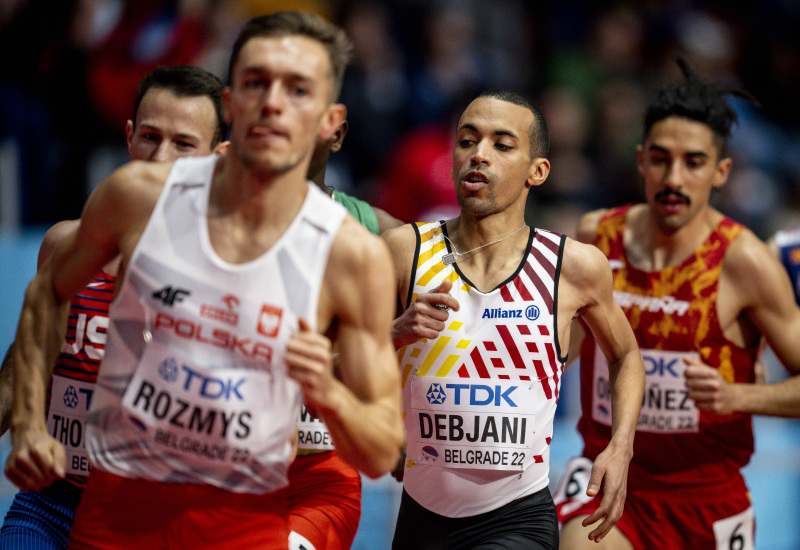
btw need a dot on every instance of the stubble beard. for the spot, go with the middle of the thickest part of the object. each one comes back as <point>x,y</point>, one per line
<point>267,166</point>
<point>476,206</point>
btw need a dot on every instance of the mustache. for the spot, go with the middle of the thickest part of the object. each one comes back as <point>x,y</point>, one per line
<point>665,193</point>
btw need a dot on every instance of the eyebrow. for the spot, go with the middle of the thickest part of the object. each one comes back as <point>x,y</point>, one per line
<point>255,69</point>
<point>500,132</point>
<point>659,149</point>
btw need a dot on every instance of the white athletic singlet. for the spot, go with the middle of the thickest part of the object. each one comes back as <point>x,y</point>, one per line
<point>479,399</point>
<point>193,387</point>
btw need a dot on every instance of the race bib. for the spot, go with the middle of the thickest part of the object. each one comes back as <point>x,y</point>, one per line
<point>69,405</point>
<point>666,407</point>
<point>312,433</point>
<point>205,417</point>
<point>736,532</point>
<point>571,492</point>
<point>471,424</point>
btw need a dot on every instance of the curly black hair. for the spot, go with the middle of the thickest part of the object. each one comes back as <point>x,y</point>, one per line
<point>699,100</point>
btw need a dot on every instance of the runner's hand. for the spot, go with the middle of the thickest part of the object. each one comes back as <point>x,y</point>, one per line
<point>610,471</point>
<point>425,316</point>
<point>36,460</point>
<point>309,359</point>
<point>708,389</point>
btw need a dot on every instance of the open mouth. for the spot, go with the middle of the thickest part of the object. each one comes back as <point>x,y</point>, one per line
<point>476,177</point>
<point>474,180</point>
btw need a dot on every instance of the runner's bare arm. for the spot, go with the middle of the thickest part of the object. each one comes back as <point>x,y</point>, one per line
<point>362,409</point>
<point>36,459</point>
<point>761,283</point>
<point>587,228</point>
<point>586,287</point>
<point>51,239</point>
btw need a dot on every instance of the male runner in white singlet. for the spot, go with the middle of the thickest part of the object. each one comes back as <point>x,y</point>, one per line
<point>235,273</point>
<point>488,305</point>
<point>177,113</point>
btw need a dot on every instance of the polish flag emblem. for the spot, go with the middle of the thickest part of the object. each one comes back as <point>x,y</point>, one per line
<point>269,320</point>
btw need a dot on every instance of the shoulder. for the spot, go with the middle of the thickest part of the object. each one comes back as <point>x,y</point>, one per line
<point>402,237</point>
<point>359,269</point>
<point>135,182</point>
<point>385,220</point>
<point>747,254</point>
<point>356,250</point>
<point>587,225</point>
<point>54,236</point>
<point>584,264</point>
<point>757,278</point>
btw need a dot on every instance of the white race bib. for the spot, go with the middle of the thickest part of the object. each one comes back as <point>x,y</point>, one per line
<point>471,424</point>
<point>69,405</point>
<point>312,434</point>
<point>205,417</point>
<point>736,532</point>
<point>666,407</point>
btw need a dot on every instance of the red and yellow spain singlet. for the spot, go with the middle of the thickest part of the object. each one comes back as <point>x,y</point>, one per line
<point>673,314</point>
<point>479,399</point>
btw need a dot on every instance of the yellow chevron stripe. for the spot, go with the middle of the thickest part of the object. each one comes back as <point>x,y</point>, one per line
<point>434,270</point>
<point>448,364</point>
<point>406,372</point>
<point>428,235</point>
<point>433,355</point>
<point>455,326</point>
<point>463,344</point>
<point>428,254</point>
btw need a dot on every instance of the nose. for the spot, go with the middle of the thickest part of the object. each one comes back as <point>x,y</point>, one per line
<point>274,98</point>
<point>673,177</point>
<point>480,155</point>
<point>162,152</point>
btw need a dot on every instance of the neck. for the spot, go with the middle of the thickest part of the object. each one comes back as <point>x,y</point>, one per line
<point>256,196</point>
<point>319,181</point>
<point>485,238</point>
<point>660,247</point>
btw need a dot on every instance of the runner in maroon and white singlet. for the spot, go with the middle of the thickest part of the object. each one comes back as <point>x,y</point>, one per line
<point>487,307</point>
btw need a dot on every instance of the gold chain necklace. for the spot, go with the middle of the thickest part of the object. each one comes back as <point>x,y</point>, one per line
<point>452,257</point>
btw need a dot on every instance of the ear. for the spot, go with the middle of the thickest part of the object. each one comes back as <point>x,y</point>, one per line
<point>129,134</point>
<point>538,172</point>
<point>221,148</point>
<point>338,136</point>
<point>226,104</point>
<point>721,173</point>
<point>331,120</point>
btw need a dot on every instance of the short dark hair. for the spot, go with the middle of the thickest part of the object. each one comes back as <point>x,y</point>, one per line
<point>538,132</point>
<point>186,81</point>
<point>698,100</point>
<point>293,23</point>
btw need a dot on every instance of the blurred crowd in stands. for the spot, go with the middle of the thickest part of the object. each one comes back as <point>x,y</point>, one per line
<point>69,68</point>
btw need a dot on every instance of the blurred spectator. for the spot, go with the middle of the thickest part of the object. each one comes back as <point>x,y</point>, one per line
<point>450,63</point>
<point>589,63</point>
<point>375,90</point>
<point>416,183</point>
